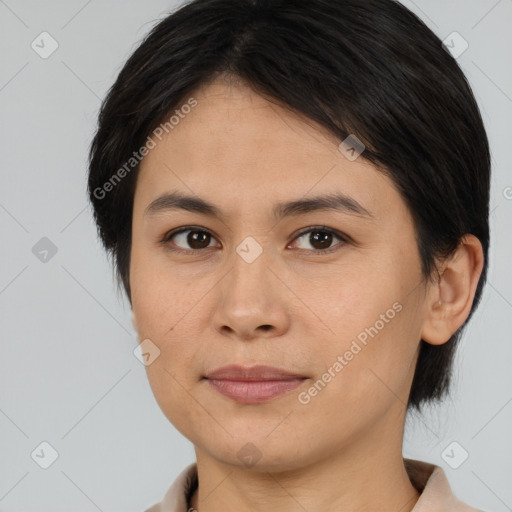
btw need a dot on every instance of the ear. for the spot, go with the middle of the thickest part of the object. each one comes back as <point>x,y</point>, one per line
<point>449,302</point>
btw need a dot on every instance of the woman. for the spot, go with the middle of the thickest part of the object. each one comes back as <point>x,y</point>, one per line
<point>296,197</point>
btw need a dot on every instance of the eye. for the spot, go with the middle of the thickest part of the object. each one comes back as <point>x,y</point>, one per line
<point>321,239</point>
<point>189,239</point>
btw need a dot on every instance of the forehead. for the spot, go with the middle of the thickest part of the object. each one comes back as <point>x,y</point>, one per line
<point>234,113</point>
<point>238,144</point>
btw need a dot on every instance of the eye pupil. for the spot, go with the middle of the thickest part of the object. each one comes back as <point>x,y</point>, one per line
<point>322,238</point>
<point>198,239</point>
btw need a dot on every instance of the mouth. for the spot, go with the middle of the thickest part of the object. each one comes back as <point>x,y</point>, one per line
<point>253,385</point>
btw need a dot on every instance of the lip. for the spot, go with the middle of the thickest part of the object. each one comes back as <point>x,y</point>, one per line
<point>252,373</point>
<point>255,384</point>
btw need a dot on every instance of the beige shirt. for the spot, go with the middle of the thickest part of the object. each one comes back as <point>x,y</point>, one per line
<point>429,480</point>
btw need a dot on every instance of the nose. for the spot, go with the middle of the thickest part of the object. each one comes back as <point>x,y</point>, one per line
<point>252,301</point>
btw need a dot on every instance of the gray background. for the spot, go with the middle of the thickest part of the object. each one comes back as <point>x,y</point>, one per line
<point>68,375</point>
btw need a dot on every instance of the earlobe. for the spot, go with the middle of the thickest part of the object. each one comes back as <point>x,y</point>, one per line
<point>451,299</point>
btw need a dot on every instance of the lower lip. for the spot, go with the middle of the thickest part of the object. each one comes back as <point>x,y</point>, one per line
<point>254,392</point>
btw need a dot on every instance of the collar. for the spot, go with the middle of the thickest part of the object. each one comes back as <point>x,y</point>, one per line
<point>430,480</point>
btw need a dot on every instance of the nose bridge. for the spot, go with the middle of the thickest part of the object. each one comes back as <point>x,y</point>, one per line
<point>250,280</point>
<point>249,295</point>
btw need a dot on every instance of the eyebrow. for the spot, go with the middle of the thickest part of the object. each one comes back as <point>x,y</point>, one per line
<point>338,202</point>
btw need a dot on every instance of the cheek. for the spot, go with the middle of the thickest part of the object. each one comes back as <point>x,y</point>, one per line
<point>166,317</point>
<point>346,299</point>
<point>360,382</point>
<point>159,300</point>
<point>369,319</point>
<point>169,319</point>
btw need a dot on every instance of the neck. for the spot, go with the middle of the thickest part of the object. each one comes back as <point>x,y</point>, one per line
<point>367,475</point>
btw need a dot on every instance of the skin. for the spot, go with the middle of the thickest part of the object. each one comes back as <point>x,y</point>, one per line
<point>209,308</point>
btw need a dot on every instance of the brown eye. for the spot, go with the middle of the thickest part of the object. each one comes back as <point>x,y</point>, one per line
<point>190,239</point>
<point>321,239</point>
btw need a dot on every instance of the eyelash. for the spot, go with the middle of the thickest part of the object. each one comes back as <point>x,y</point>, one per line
<point>343,239</point>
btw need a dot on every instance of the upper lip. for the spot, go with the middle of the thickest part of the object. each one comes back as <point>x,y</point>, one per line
<point>252,373</point>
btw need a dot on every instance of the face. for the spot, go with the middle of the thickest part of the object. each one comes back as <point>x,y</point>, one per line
<point>331,294</point>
